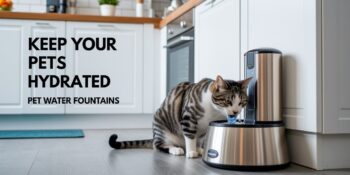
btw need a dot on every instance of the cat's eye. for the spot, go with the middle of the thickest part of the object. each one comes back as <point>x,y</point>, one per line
<point>228,102</point>
<point>243,103</point>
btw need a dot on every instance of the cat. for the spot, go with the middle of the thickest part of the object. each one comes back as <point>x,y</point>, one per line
<point>180,124</point>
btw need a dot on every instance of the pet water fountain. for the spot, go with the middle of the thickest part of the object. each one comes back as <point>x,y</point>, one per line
<point>258,142</point>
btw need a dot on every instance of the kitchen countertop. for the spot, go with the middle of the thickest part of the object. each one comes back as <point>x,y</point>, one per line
<point>190,4</point>
<point>157,22</point>
<point>78,17</point>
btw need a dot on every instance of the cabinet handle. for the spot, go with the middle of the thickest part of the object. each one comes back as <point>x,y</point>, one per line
<point>106,25</point>
<point>211,2</point>
<point>42,23</point>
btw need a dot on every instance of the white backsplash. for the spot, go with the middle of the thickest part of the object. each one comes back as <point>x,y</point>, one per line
<point>91,7</point>
<point>159,5</point>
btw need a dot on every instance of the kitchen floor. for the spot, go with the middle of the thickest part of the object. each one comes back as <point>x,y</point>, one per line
<point>92,155</point>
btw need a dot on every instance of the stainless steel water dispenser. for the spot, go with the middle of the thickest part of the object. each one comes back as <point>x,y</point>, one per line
<point>259,142</point>
<point>264,90</point>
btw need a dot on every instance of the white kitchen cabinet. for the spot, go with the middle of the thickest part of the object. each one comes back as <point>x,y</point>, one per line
<point>314,39</point>
<point>41,29</point>
<point>124,67</point>
<point>14,68</point>
<point>12,46</point>
<point>291,26</point>
<point>336,66</point>
<point>130,68</point>
<point>217,43</point>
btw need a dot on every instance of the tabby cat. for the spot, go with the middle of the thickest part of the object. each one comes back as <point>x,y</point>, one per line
<point>181,122</point>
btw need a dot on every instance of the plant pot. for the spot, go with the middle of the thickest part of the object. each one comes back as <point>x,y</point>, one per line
<point>5,8</point>
<point>107,10</point>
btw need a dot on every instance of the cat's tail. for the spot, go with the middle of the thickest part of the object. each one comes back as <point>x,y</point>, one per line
<point>129,144</point>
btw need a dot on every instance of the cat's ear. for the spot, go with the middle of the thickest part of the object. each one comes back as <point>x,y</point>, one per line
<point>245,82</point>
<point>220,83</point>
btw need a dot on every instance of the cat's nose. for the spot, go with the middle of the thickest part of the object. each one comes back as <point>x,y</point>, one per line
<point>235,112</point>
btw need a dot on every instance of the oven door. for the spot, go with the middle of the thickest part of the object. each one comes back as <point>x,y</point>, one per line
<point>180,59</point>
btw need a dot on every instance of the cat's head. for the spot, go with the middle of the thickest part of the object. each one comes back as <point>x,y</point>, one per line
<point>229,95</point>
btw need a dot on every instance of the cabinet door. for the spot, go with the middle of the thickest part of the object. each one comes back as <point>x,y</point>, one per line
<point>336,62</point>
<point>290,26</point>
<point>217,43</point>
<point>12,47</point>
<point>124,67</point>
<point>43,29</point>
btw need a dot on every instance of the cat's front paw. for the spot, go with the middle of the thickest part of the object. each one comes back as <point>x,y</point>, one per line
<point>192,154</point>
<point>200,151</point>
<point>177,151</point>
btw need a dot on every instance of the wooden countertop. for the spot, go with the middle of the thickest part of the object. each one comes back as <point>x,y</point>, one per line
<point>81,18</point>
<point>157,22</point>
<point>178,12</point>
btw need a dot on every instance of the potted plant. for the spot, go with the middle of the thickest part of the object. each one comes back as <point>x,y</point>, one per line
<point>5,5</point>
<point>107,7</point>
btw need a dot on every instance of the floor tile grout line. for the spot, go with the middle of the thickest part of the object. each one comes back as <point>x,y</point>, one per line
<point>30,168</point>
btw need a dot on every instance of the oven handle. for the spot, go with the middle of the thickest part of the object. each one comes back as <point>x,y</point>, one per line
<point>178,41</point>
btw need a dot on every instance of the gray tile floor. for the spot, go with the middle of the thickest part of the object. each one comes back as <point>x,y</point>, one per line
<point>92,156</point>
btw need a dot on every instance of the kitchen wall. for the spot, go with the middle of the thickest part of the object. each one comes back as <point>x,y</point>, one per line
<point>91,7</point>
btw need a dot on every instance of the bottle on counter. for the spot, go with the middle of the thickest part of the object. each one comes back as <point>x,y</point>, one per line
<point>72,6</point>
<point>62,6</point>
<point>51,6</point>
<point>150,13</point>
<point>139,8</point>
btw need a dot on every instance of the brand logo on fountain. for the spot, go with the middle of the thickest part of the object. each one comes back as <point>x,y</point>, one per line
<point>212,153</point>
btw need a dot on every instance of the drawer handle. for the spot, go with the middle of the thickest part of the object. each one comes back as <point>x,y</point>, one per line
<point>106,26</point>
<point>43,24</point>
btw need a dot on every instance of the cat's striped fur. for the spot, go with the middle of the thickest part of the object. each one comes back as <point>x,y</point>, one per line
<point>181,121</point>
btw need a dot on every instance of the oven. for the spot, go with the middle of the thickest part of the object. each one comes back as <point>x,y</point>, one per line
<point>180,51</point>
